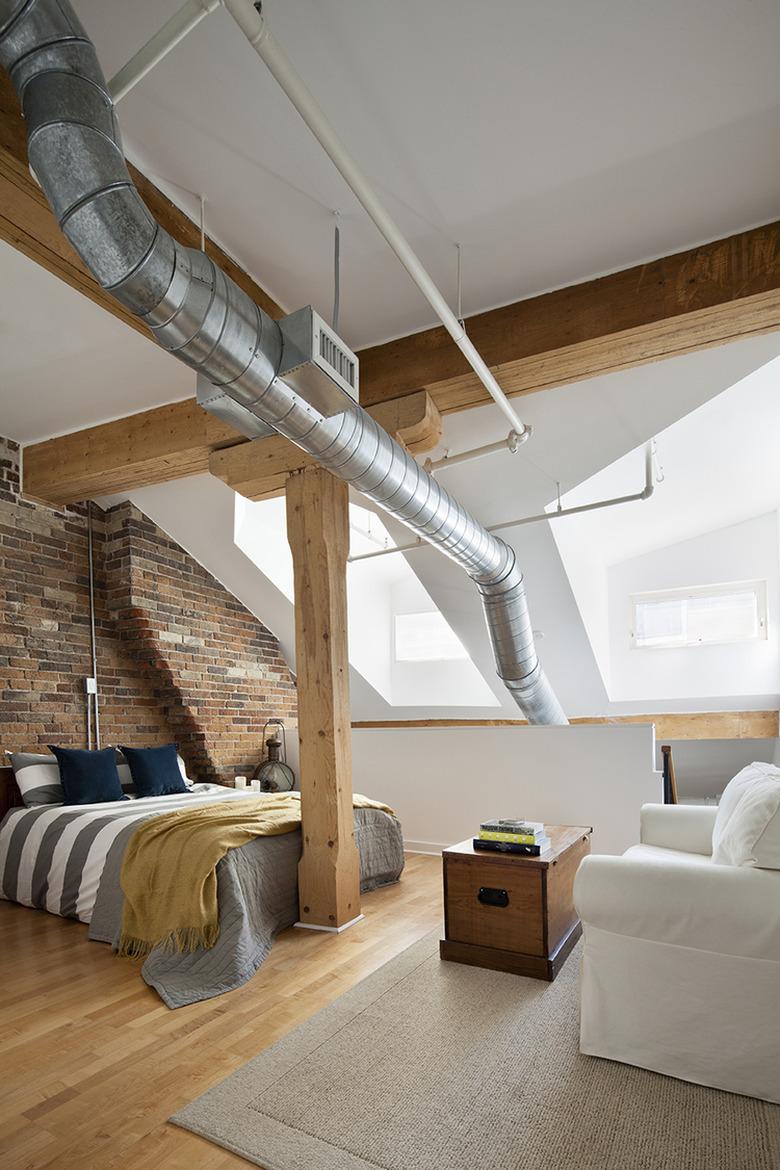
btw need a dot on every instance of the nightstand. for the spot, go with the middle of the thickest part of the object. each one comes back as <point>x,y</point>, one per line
<point>513,913</point>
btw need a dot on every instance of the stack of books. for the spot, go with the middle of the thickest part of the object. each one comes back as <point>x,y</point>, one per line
<point>512,836</point>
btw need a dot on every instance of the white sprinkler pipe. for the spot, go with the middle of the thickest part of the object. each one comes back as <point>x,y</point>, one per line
<point>255,29</point>
<point>645,494</point>
<point>160,45</point>
<point>511,443</point>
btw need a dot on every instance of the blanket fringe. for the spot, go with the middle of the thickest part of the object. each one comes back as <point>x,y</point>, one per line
<point>183,940</point>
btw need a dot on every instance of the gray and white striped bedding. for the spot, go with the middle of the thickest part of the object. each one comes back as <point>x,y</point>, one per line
<point>67,858</point>
<point>52,857</point>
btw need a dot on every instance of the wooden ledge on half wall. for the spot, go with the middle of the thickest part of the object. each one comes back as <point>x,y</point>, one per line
<point>674,725</point>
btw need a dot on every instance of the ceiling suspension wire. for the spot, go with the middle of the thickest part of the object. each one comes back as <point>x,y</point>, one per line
<point>202,199</point>
<point>336,273</point>
<point>460,286</point>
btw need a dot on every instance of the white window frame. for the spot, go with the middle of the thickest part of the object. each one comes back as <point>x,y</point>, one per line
<point>696,592</point>
<point>463,657</point>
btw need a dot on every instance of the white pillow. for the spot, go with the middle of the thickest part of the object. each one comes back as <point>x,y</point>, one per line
<point>183,770</point>
<point>747,825</point>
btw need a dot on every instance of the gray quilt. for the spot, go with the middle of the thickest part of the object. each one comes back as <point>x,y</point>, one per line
<point>257,891</point>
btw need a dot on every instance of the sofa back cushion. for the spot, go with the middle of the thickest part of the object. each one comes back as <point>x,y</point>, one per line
<point>747,827</point>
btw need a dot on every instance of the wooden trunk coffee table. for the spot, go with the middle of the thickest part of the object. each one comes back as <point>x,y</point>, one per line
<point>510,912</point>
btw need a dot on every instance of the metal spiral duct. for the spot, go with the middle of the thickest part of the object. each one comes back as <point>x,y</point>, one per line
<point>199,314</point>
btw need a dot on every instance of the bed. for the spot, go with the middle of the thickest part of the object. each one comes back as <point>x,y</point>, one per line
<point>67,859</point>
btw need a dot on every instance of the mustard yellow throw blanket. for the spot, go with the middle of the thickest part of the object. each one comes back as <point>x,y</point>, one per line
<point>169,871</point>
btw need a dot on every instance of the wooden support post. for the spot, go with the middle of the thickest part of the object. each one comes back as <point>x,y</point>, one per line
<point>318,532</point>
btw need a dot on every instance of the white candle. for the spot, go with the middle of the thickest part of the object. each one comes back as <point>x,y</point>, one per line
<point>240,782</point>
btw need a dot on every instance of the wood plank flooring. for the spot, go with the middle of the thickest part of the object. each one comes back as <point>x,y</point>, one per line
<point>92,1063</point>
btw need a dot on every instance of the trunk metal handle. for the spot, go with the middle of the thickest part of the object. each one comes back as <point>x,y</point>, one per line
<point>490,896</point>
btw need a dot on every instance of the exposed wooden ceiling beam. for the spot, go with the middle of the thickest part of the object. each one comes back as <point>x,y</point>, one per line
<point>155,446</point>
<point>27,223</point>
<point>180,439</point>
<point>706,296</point>
<point>259,470</point>
<point>690,725</point>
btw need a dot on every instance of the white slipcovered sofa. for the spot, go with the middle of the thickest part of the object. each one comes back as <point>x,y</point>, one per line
<point>681,963</point>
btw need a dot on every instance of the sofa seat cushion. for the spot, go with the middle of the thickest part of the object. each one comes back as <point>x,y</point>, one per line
<point>683,899</point>
<point>664,856</point>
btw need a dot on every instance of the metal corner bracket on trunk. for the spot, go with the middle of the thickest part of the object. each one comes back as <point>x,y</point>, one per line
<point>200,315</point>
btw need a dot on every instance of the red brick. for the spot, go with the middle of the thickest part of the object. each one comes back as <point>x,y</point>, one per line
<point>152,690</point>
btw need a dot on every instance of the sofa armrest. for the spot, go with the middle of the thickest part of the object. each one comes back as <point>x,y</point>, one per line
<point>733,910</point>
<point>687,827</point>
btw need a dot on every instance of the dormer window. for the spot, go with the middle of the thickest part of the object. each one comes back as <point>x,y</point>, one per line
<point>706,615</point>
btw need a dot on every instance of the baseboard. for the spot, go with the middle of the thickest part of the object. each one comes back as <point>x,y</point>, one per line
<point>434,847</point>
<point>329,929</point>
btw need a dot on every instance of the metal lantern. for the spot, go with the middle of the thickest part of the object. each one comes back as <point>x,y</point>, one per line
<point>274,773</point>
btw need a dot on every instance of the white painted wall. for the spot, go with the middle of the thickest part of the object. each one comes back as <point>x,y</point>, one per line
<point>742,552</point>
<point>443,782</point>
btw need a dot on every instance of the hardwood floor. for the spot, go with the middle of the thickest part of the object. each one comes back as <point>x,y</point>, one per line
<point>92,1063</point>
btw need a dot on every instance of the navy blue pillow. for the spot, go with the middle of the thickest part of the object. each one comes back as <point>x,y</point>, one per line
<point>88,777</point>
<point>155,771</point>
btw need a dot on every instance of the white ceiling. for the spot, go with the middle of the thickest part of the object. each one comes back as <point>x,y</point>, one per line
<point>553,141</point>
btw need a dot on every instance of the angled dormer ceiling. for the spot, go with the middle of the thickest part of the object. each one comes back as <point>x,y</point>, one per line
<point>67,363</point>
<point>713,520</point>
<point>720,465</point>
<point>578,431</point>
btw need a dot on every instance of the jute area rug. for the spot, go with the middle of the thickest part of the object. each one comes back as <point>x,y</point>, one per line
<point>428,1065</point>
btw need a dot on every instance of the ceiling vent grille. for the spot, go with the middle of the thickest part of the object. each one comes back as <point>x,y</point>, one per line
<point>317,363</point>
<point>337,358</point>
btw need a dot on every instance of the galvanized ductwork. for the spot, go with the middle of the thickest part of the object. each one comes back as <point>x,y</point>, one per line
<point>205,319</point>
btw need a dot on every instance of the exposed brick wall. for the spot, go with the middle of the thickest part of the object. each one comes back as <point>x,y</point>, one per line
<point>218,670</point>
<point>178,656</point>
